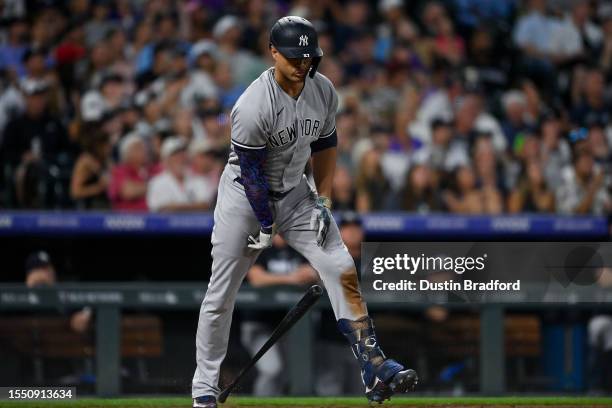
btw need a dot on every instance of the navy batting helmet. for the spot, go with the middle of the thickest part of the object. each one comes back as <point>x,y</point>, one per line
<point>296,37</point>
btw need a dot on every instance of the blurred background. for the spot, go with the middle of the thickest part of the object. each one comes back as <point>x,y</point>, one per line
<point>458,120</point>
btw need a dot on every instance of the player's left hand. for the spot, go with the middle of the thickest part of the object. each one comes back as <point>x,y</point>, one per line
<point>321,219</point>
<point>263,240</point>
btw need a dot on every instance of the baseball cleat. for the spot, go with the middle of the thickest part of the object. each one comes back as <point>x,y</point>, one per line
<point>207,401</point>
<point>403,381</point>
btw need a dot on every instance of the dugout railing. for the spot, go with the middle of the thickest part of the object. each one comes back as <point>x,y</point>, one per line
<point>109,299</point>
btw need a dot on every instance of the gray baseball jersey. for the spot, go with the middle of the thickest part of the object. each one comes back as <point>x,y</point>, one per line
<point>266,117</point>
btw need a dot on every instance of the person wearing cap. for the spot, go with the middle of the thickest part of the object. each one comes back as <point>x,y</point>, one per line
<point>40,272</point>
<point>204,161</point>
<point>201,84</point>
<point>130,178</point>
<point>33,141</point>
<point>175,189</point>
<point>228,34</point>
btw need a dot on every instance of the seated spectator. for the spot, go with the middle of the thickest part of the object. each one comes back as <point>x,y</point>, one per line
<point>343,191</point>
<point>129,179</point>
<point>488,174</point>
<point>533,35</point>
<point>371,184</point>
<point>447,44</point>
<point>467,199</point>
<point>532,193</point>
<point>278,265</point>
<point>89,182</point>
<point>175,189</point>
<point>418,195</point>
<point>575,34</point>
<point>11,52</point>
<point>205,162</point>
<point>582,189</point>
<point>592,105</point>
<point>599,143</point>
<point>556,152</point>
<point>215,128</point>
<point>443,154</point>
<point>516,116</point>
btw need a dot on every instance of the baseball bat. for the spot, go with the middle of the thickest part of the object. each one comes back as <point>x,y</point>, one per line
<point>310,298</point>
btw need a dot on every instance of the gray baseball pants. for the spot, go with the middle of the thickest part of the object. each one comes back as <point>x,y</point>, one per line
<point>234,222</point>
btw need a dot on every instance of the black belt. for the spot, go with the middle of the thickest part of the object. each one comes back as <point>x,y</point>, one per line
<point>275,195</point>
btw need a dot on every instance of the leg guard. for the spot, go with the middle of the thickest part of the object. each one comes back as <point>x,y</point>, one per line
<point>362,338</point>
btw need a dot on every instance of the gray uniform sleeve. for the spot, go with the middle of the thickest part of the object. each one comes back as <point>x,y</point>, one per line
<point>329,127</point>
<point>248,126</point>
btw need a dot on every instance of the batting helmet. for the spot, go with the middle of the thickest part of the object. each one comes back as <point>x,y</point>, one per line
<point>296,37</point>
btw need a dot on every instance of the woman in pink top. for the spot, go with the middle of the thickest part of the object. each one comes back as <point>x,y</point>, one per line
<point>130,179</point>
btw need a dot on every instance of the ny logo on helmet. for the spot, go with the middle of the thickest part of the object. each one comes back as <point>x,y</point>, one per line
<point>303,40</point>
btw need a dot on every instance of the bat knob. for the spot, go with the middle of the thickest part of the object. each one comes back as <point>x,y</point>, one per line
<point>316,290</point>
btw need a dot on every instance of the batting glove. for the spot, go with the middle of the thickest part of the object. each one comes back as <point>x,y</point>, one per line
<point>263,240</point>
<point>321,218</point>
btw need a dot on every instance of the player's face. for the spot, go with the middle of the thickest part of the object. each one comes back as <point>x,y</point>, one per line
<point>293,69</point>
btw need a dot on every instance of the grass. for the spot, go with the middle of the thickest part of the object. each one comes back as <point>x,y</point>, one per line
<point>319,402</point>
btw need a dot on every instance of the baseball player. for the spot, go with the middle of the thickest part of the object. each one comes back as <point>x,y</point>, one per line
<point>283,120</point>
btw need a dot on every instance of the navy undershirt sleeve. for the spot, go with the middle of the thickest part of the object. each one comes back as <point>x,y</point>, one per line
<point>255,183</point>
<point>323,143</point>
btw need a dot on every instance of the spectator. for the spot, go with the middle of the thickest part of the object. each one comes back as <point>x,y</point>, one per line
<point>488,175</point>
<point>11,53</point>
<point>533,35</point>
<point>279,265</point>
<point>582,190</point>
<point>466,198</point>
<point>175,189</point>
<point>443,153</point>
<point>576,34</point>
<point>448,45</point>
<point>599,143</point>
<point>371,183</point>
<point>205,163</point>
<point>532,193</point>
<point>89,182</point>
<point>343,192</point>
<point>32,142</point>
<point>129,179</point>
<point>516,115</point>
<point>419,195</point>
<point>593,105</point>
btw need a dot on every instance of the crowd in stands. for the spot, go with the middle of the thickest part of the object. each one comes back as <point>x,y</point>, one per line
<point>461,106</point>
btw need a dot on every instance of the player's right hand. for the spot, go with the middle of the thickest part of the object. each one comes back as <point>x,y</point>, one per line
<point>263,240</point>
